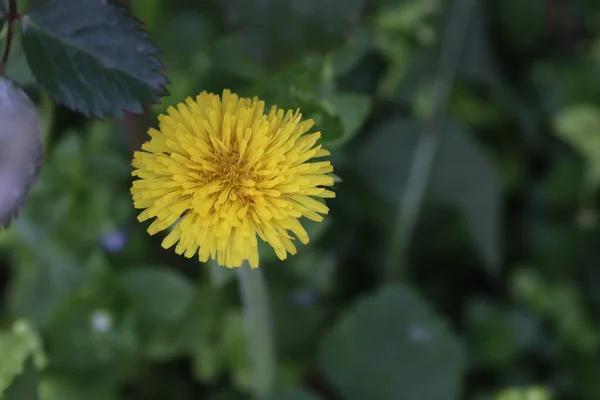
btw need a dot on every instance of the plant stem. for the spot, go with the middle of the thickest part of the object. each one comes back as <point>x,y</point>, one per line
<point>427,146</point>
<point>13,15</point>
<point>258,328</point>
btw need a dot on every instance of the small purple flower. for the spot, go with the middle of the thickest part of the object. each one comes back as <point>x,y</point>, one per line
<point>115,241</point>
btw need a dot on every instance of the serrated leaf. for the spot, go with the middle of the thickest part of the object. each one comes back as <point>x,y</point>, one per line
<point>391,345</point>
<point>462,177</point>
<point>291,394</point>
<point>92,57</point>
<point>16,347</point>
<point>159,296</point>
<point>280,31</point>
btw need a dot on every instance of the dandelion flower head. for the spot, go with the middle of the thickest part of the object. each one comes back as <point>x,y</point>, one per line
<point>221,172</point>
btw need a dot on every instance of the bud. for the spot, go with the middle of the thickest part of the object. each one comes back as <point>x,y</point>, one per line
<point>20,148</point>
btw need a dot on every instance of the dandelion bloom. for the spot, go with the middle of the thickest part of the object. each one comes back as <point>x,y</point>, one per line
<point>223,171</point>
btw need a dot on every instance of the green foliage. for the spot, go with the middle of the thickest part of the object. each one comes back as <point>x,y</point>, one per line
<point>499,299</point>
<point>579,126</point>
<point>463,177</point>
<point>302,27</point>
<point>16,346</point>
<point>387,345</point>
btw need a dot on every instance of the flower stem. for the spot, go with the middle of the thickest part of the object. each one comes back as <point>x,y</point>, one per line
<point>12,16</point>
<point>427,146</point>
<point>258,327</point>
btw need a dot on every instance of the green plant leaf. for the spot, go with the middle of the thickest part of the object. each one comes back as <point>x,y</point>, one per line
<point>462,177</point>
<point>16,346</point>
<point>579,125</point>
<point>353,110</point>
<point>301,86</point>
<point>91,56</point>
<point>279,31</point>
<point>391,345</point>
<point>159,296</point>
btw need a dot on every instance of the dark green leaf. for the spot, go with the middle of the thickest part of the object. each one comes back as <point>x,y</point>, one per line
<point>462,177</point>
<point>391,345</point>
<point>91,56</point>
<point>465,178</point>
<point>279,31</point>
<point>160,296</point>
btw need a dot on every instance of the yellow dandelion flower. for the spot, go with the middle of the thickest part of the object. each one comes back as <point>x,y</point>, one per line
<point>221,171</point>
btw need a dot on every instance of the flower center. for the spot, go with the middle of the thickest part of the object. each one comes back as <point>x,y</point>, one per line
<point>235,177</point>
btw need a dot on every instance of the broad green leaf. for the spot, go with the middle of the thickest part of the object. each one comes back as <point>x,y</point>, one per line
<point>159,295</point>
<point>391,345</point>
<point>280,31</point>
<point>92,57</point>
<point>579,125</point>
<point>465,178</point>
<point>462,177</point>
<point>291,394</point>
<point>16,346</point>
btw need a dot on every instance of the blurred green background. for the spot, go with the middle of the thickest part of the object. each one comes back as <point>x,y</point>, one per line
<point>498,295</point>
